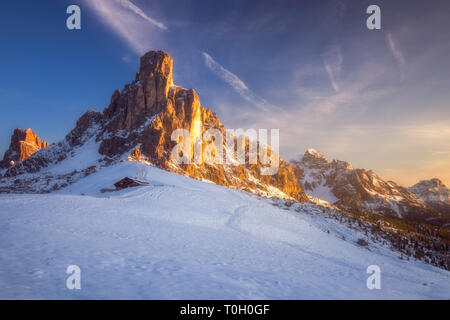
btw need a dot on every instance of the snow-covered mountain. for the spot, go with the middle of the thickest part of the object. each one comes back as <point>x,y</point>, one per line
<point>433,192</point>
<point>180,238</point>
<point>137,125</point>
<point>358,190</point>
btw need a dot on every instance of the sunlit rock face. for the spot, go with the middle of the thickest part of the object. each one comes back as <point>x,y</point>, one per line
<point>24,143</point>
<point>145,96</point>
<point>155,107</point>
<point>138,125</point>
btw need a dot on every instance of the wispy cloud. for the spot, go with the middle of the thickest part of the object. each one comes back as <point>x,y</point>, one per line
<point>354,90</point>
<point>234,81</point>
<point>128,21</point>
<point>396,52</point>
<point>126,59</point>
<point>129,5</point>
<point>332,61</point>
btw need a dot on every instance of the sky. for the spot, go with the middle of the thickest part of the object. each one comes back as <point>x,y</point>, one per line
<point>378,99</point>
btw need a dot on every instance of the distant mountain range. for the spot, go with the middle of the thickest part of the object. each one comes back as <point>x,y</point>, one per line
<point>363,190</point>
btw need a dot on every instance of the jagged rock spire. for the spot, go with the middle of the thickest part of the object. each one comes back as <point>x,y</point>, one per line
<point>152,95</point>
<point>145,96</point>
<point>156,63</point>
<point>23,144</point>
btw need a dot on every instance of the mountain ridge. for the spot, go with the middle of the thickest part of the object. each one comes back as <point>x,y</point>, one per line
<point>359,190</point>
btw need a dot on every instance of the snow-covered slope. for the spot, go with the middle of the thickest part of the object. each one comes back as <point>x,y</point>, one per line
<point>188,239</point>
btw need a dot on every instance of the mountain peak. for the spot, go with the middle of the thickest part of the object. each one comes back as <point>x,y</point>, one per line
<point>156,63</point>
<point>139,123</point>
<point>144,97</point>
<point>434,192</point>
<point>438,182</point>
<point>313,153</point>
<point>431,183</point>
<point>23,144</point>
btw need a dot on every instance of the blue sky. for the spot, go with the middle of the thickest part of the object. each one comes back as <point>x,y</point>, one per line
<point>379,99</point>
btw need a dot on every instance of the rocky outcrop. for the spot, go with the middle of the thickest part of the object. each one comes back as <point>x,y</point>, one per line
<point>358,190</point>
<point>24,143</point>
<point>140,120</point>
<point>434,193</point>
<point>138,125</point>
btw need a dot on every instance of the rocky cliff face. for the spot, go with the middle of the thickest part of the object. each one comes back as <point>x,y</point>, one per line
<point>138,125</point>
<point>23,144</point>
<point>140,120</point>
<point>358,190</point>
<point>433,192</point>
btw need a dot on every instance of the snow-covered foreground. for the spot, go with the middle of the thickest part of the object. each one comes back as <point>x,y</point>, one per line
<point>180,238</point>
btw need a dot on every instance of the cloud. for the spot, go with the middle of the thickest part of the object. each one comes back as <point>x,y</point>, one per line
<point>332,61</point>
<point>409,152</point>
<point>330,72</point>
<point>316,116</point>
<point>237,84</point>
<point>128,21</point>
<point>396,52</point>
<point>126,59</point>
<point>129,5</point>
<point>354,91</point>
